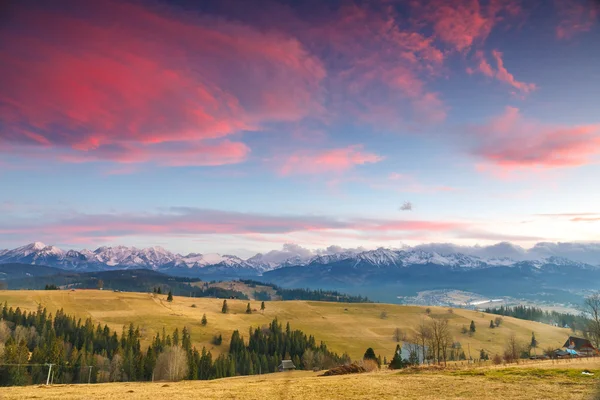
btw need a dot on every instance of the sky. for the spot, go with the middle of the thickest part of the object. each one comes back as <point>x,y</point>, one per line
<point>236,127</point>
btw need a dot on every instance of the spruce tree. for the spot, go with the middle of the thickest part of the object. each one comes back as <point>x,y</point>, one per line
<point>534,342</point>
<point>170,296</point>
<point>248,309</point>
<point>204,321</point>
<point>370,354</point>
<point>262,306</point>
<point>225,308</point>
<point>159,291</point>
<point>397,362</point>
<point>472,327</point>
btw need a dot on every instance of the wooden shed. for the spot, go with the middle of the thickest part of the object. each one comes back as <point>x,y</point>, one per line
<point>286,365</point>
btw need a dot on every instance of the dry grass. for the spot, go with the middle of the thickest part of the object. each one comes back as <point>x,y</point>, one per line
<point>344,327</point>
<point>545,380</point>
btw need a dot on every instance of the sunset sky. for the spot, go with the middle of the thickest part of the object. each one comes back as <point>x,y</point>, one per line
<point>239,126</point>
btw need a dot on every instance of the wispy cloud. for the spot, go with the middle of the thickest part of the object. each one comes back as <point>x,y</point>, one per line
<point>576,17</point>
<point>500,73</point>
<point>324,161</point>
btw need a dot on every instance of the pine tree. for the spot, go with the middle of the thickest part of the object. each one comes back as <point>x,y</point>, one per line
<point>492,324</point>
<point>159,291</point>
<point>248,309</point>
<point>370,354</point>
<point>204,321</point>
<point>397,362</point>
<point>225,308</point>
<point>262,306</point>
<point>534,342</point>
<point>472,327</point>
<point>170,296</point>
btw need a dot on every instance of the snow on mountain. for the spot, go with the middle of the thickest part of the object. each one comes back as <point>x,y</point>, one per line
<point>157,258</point>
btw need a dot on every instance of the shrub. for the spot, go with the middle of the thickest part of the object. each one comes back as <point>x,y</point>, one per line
<point>497,360</point>
<point>217,340</point>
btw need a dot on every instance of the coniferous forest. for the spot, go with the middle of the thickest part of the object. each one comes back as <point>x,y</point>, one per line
<point>537,314</point>
<point>81,352</point>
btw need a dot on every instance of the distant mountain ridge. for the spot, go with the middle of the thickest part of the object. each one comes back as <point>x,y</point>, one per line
<point>381,274</point>
<point>195,264</point>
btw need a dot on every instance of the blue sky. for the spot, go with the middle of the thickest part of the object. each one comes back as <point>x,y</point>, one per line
<point>233,129</point>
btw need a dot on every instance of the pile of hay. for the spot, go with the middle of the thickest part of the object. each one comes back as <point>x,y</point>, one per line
<point>345,369</point>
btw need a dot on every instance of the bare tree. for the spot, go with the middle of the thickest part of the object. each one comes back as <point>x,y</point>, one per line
<point>399,335</point>
<point>4,331</point>
<point>413,352</point>
<point>116,368</point>
<point>440,339</point>
<point>171,364</point>
<point>592,311</point>
<point>512,349</point>
<point>423,335</point>
<point>445,338</point>
<point>308,359</point>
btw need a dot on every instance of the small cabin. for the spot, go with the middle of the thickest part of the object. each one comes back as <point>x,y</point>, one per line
<point>286,365</point>
<point>582,346</point>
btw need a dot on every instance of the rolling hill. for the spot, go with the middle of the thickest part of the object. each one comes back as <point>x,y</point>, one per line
<point>343,327</point>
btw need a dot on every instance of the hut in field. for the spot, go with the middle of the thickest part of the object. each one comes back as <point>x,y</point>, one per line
<point>582,346</point>
<point>286,365</point>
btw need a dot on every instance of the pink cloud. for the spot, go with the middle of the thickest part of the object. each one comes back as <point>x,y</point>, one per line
<point>335,160</point>
<point>167,154</point>
<point>462,23</point>
<point>384,65</point>
<point>106,82</point>
<point>510,141</point>
<point>576,16</point>
<point>192,221</point>
<point>501,73</point>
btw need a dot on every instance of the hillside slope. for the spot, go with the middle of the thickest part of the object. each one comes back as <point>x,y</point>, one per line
<point>344,327</point>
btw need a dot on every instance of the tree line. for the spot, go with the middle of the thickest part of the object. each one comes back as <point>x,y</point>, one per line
<point>82,352</point>
<point>575,322</point>
<point>303,294</point>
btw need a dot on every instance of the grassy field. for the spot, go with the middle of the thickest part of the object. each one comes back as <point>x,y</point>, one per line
<point>343,327</point>
<point>529,381</point>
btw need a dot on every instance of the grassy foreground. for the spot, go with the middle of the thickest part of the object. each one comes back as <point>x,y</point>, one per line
<point>343,327</point>
<point>530,381</point>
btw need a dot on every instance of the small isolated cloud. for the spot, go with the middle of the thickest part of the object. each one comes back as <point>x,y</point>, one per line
<point>406,206</point>
<point>333,160</point>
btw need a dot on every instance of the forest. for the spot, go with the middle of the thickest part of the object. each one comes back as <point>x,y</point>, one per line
<point>81,352</point>
<point>304,294</point>
<point>564,320</point>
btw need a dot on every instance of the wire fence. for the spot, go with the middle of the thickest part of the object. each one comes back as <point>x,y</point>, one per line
<point>47,374</point>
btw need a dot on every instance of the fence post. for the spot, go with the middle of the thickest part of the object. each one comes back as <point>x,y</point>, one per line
<point>48,379</point>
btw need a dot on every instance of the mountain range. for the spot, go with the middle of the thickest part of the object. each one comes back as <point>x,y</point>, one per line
<point>158,259</point>
<point>381,274</point>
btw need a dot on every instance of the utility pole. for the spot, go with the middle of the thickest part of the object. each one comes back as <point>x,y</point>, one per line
<point>48,379</point>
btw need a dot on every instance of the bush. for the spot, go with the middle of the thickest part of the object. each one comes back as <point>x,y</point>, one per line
<point>497,360</point>
<point>217,340</point>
